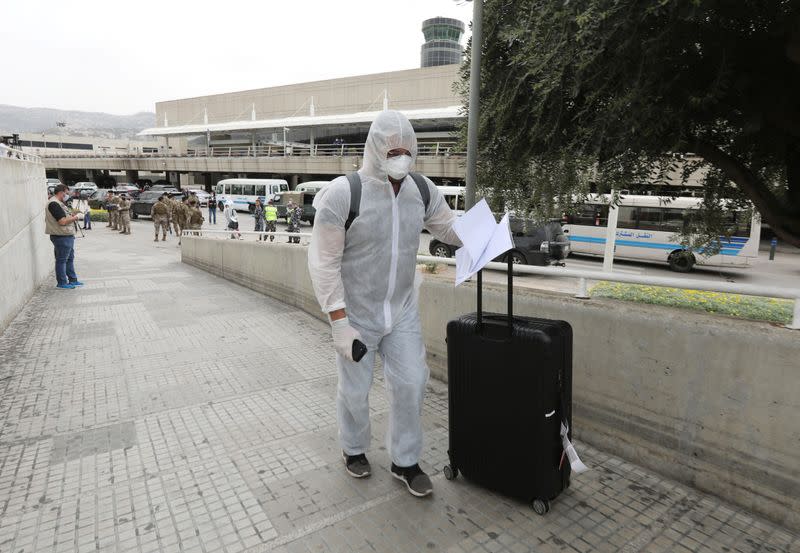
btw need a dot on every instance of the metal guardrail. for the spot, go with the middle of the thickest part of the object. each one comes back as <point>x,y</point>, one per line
<point>583,276</point>
<point>228,234</point>
<point>668,282</point>
<point>425,149</point>
<point>13,153</point>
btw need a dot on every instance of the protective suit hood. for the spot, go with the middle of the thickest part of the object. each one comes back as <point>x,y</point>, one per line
<point>390,130</point>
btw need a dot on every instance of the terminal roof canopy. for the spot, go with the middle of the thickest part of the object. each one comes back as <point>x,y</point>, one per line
<point>418,117</point>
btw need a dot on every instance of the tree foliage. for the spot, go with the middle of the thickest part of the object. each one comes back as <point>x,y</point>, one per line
<point>616,92</point>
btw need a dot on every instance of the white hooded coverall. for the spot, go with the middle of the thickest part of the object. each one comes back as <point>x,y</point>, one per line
<point>370,271</point>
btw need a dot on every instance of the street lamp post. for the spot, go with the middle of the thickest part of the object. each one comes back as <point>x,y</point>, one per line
<point>474,103</point>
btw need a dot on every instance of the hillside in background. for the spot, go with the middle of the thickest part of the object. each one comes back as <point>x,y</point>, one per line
<point>79,123</point>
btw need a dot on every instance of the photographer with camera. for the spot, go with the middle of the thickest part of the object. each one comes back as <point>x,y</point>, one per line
<point>60,224</point>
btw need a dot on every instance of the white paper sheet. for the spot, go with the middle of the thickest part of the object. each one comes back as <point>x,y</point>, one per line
<point>475,228</point>
<point>483,239</point>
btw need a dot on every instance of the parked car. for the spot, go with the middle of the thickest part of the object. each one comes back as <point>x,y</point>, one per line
<point>304,199</point>
<point>98,198</point>
<point>533,244</point>
<point>129,189</point>
<point>51,186</point>
<point>163,187</point>
<point>82,190</point>
<point>202,197</point>
<point>141,206</point>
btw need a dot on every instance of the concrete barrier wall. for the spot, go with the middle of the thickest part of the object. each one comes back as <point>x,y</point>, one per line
<point>710,401</point>
<point>25,251</point>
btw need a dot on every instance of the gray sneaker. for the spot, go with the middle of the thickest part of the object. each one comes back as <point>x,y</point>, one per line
<point>356,466</point>
<point>417,482</point>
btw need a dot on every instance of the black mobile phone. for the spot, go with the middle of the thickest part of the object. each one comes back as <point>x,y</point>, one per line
<point>359,350</point>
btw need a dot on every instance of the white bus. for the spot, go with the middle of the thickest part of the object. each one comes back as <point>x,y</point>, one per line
<point>646,231</point>
<point>454,196</point>
<point>243,192</point>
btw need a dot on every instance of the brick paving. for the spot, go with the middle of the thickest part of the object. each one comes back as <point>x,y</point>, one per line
<point>163,409</point>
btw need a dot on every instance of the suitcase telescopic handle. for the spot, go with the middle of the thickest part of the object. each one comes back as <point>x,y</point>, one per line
<point>510,292</point>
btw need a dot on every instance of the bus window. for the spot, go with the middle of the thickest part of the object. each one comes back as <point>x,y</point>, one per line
<point>259,190</point>
<point>672,220</point>
<point>236,189</point>
<point>650,218</point>
<point>626,217</point>
<point>594,215</point>
<point>248,190</point>
<point>273,189</point>
<point>284,188</point>
<point>220,189</point>
<point>738,224</point>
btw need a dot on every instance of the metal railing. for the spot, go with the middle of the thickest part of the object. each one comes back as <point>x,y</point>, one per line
<point>305,237</point>
<point>13,153</point>
<point>424,149</point>
<point>583,276</point>
<point>667,282</point>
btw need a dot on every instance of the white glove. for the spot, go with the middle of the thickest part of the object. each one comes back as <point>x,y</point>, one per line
<point>79,215</point>
<point>343,337</point>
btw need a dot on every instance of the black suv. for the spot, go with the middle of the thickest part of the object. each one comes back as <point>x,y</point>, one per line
<point>533,244</point>
<point>141,206</point>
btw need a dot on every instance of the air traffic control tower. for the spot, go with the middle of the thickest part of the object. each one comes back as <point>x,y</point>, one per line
<point>442,41</point>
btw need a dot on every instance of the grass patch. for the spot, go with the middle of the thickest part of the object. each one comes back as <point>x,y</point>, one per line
<point>735,305</point>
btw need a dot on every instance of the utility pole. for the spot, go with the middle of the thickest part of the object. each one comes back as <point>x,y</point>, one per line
<point>474,101</point>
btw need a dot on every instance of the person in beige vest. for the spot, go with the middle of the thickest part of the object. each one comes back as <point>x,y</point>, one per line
<point>59,223</point>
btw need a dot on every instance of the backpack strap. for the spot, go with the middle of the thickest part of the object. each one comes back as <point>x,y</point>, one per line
<point>355,198</point>
<point>355,194</point>
<point>424,191</point>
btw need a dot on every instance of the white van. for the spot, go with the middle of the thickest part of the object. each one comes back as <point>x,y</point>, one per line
<point>243,192</point>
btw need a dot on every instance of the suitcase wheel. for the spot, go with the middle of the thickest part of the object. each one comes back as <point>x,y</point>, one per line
<point>540,506</point>
<point>450,473</point>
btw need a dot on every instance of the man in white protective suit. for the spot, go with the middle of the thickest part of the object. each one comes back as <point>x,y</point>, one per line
<point>362,261</point>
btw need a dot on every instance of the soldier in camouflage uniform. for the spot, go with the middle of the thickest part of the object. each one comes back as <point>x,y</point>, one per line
<point>160,215</point>
<point>124,215</point>
<point>114,213</point>
<point>179,216</point>
<point>109,207</point>
<point>194,217</point>
<point>293,213</point>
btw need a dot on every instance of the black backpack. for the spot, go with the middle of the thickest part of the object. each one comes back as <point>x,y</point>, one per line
<point>355,194</point>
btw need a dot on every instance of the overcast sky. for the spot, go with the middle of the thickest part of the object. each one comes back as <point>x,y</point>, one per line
<point>122,57</point>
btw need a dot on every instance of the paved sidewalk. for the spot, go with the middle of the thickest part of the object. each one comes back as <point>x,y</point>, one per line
<point>164,409</point>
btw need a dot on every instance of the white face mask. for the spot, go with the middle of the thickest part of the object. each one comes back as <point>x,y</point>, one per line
<point>398,166</point>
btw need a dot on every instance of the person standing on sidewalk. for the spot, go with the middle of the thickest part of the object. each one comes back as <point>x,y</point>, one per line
<point>124,215</point>
<point>160,215</point>
<point>232,219</point>
<point>362,261</point>
<point>87,215</point>
<point>109,206</point>
<point>271,219</point>
<point>60,224</point>
<point>212,209</point>
<point>258,214</point>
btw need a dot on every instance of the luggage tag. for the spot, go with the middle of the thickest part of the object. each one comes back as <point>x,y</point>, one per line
<point>575,462</point>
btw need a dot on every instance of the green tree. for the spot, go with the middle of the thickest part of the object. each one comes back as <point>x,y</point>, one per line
<point>624,91</point>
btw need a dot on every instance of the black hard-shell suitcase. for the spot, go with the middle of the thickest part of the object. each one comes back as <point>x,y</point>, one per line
<point>510,389</point>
